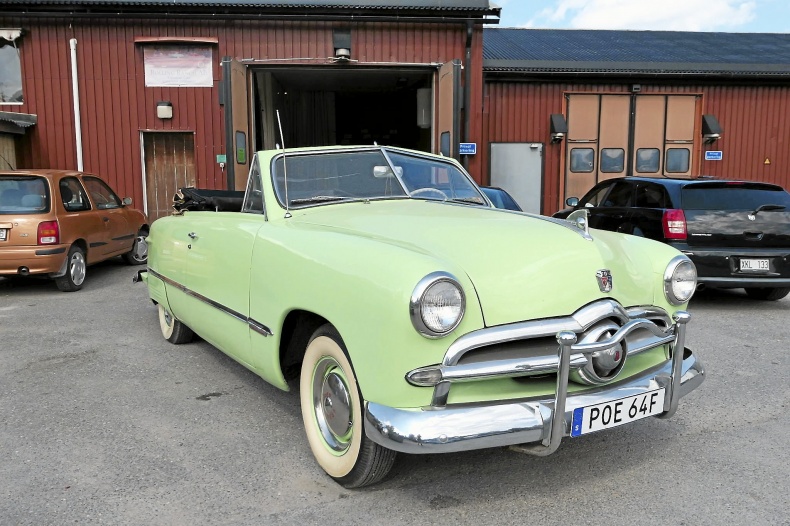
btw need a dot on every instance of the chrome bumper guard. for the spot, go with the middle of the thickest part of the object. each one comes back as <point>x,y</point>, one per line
<point>537,427</point>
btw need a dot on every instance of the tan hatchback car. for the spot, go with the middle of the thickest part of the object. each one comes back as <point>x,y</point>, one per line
<point>55,223</point>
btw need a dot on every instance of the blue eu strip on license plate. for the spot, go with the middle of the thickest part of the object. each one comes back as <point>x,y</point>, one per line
<point>591,418</point>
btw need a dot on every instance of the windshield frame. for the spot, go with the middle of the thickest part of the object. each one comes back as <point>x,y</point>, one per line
<point>279,192</point>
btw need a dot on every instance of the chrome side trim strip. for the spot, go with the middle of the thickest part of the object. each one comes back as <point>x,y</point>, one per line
<point>253,325</point>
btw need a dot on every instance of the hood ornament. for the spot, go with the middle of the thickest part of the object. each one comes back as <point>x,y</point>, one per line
<point>604,277</point>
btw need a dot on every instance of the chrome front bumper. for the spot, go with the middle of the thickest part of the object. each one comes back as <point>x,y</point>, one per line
<point>536,425</point>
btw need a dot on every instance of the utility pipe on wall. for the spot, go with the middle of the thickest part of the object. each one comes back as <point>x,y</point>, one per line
<point>76,96</point>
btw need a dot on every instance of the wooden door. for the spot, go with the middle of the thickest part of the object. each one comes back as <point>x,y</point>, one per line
<point>448,106</point>
<point>7,152</point>
<point>169,165</point>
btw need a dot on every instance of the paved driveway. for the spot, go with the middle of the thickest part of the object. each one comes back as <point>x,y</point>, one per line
<point>103,422</point>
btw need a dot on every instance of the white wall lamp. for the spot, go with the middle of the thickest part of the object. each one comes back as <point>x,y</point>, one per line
<point>164,109</point>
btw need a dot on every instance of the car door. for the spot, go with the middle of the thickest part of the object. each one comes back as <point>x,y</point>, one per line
<point>118,233</point>
<point>80,219</point>
<point>646,219</point>
<point>609,205</point>
<point>218,266</point>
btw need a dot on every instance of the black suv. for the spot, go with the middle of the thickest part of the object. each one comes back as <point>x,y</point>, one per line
<point>737,233</point>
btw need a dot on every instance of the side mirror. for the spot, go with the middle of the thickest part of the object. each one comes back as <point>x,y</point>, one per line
<point>126,201</point>
<point>572,202</point>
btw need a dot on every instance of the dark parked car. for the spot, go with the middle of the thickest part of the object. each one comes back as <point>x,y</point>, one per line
<point>737,233</point>
<point>500,198</point>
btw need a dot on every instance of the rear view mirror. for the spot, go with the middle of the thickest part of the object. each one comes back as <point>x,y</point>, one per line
<point>126,201</point>
<point>384,171</point>
<point>572,201</point>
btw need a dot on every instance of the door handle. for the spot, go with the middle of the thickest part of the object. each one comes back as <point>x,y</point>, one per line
<point>106,219</point>
<point>192,235</point>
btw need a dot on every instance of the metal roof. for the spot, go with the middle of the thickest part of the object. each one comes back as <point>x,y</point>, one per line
<point>23,120</point>
<point>454,5</point>
<point>423,11</point>
<point>636,52</point>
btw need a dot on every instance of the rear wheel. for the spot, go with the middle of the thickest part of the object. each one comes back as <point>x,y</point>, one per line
<point>75,271</point>
<point>139,253</point>
<point>768,293</point>
<point>332,414</point>
<point>173,330</point>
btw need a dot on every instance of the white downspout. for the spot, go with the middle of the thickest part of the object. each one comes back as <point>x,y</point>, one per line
<point>76,96</point>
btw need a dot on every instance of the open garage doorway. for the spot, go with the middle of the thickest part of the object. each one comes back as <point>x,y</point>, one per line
<point>320,107</point>
<point>416,106</point>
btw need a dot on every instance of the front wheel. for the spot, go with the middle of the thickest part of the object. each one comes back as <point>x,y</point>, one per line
<point>332,414</point>
<point>768,293</point>
<point>76,266</point>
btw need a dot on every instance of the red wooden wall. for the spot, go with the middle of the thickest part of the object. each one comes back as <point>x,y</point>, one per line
<point>753,118</point>
<point>116,106</point>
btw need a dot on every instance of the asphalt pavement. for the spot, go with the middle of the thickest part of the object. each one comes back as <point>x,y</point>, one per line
<point>104,422</point>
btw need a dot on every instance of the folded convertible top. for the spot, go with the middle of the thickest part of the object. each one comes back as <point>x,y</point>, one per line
<point>190,198</point>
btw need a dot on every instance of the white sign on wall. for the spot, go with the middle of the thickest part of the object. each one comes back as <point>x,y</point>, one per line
<point>178,66</point>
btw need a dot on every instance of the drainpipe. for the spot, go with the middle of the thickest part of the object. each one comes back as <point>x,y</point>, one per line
<point>467,87</point>
<point>76,96</point>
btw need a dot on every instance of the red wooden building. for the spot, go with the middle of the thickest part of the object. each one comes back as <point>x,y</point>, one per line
<point>178,93</point>
<point>152,95</point>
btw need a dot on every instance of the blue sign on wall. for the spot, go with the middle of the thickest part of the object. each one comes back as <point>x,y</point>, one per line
<point>713,156</point>
<point>467,148</point>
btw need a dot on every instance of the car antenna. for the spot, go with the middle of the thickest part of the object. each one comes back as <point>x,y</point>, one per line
<point>285,170</point>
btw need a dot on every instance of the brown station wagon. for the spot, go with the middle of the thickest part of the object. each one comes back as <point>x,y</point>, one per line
<point>55,223</point>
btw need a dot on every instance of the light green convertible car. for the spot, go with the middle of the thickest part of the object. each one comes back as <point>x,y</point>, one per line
<point>417,317</point>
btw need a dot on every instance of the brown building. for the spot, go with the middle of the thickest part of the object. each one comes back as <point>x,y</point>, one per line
<point>168,94</point>
<point>571,108</point>
<point>178,93</point>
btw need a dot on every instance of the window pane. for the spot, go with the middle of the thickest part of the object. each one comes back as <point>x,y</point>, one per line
<point>102,195</point>
<point>10,74</point>
<point>612,160</point>
<point>582,160</point>
<point>651,196</point>
<point>620,196</point>
<point>647,160</point>
<point>73,195</point>
<point>677,160</point>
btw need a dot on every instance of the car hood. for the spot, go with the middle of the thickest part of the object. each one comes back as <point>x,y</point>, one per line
<point>521,266</point>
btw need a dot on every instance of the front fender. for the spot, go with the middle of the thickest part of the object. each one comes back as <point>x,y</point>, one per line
<point>363,287</point>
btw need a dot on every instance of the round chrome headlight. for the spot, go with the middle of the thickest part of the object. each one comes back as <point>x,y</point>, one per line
<point>680,280</point>
<point>437,305</point>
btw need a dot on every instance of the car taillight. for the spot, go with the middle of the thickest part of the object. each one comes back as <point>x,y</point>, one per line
<point>48,233</point>
<point>674,224</point>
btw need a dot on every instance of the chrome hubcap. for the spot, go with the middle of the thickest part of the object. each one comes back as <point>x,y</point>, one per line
<point>77,268</point>
<point>332,404</point>
<point>140,249</point>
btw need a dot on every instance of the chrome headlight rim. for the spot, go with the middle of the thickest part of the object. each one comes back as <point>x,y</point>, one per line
<point>418,295</point>
<point>669,276</point>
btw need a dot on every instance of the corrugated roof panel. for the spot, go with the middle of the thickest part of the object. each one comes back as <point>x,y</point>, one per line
<point>477,5</point>
<point>599,50</point>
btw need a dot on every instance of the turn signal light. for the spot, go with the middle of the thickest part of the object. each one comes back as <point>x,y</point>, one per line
<point>48,233</point>
<point>674,221</point>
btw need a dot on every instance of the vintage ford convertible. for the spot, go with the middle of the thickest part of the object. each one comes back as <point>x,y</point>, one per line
<point>419,318</point>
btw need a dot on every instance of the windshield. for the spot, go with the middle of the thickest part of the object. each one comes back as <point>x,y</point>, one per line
<point>23,195</point>
<point>337,176</point>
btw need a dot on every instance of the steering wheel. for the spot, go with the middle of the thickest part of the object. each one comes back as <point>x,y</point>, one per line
<point>428,190</point>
